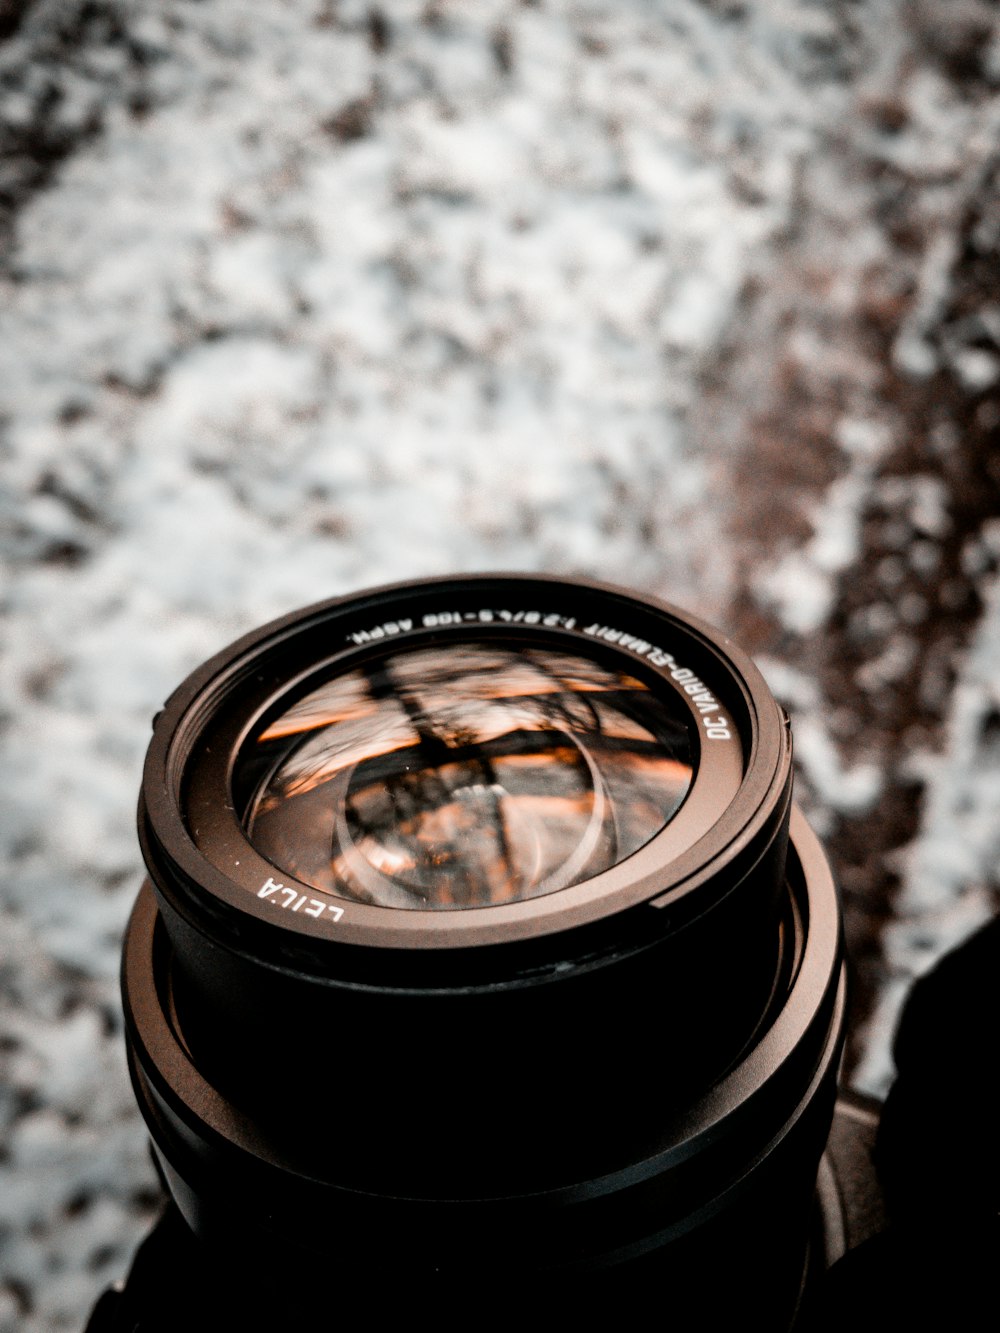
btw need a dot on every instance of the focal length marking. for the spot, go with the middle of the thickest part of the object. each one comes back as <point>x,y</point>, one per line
<point>280,895</point>
<point>485,616</point>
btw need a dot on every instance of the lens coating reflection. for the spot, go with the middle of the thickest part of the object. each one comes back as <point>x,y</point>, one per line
<point>466,775</point>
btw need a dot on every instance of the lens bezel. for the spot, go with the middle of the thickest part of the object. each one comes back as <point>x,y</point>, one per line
<point>201,858</point>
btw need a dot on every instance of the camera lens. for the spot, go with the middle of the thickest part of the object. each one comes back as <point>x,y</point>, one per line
<point>476,948</point>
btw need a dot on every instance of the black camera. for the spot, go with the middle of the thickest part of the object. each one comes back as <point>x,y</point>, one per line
<point>485,967</point>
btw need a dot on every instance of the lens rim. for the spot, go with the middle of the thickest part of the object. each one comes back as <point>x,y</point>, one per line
<point>200,856</point>
<point>223,840</point>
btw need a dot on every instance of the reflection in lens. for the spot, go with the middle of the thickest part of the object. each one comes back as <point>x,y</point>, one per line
<point>466,775</point>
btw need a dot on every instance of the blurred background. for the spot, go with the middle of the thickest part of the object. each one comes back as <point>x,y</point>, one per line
<point>698,296</point>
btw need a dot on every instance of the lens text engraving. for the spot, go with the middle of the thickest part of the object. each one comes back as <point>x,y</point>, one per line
<point>717,728</point>
<point>280,895</point>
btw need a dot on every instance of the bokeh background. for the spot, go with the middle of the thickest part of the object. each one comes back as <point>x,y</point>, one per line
<point>299,296</point>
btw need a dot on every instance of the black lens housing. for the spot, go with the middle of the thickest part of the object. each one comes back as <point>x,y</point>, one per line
<point>427,1091</point>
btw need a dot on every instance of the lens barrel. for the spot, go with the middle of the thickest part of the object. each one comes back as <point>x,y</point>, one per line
<point>475,952</point>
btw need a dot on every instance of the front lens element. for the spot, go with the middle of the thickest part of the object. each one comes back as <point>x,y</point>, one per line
<point>467,775</point>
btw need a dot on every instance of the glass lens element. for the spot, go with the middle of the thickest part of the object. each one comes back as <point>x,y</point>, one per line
<point>466,775</point>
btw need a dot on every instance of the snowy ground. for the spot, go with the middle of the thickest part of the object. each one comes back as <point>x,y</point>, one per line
<point>301,297</point>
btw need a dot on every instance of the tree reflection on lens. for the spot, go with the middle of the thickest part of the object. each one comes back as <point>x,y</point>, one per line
<point>467,775</point>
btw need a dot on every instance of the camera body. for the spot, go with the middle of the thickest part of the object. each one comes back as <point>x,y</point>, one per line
<point>484,963</point>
